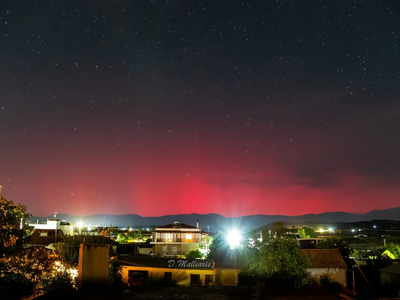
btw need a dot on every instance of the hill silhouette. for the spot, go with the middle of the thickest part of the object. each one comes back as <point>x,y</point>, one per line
<point>215,222</point>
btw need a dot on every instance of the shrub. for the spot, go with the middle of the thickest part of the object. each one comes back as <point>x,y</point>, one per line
<point>327,282</point>
<point>194,253</point>
<point>115,274</point>
<point>15,286</point>
<point>60,281</point>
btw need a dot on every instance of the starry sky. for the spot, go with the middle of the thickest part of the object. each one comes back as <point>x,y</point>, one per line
<point>165,107</point>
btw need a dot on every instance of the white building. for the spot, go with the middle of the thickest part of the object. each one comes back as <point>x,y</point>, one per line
<point>177,239</point>
<point>56,224</point>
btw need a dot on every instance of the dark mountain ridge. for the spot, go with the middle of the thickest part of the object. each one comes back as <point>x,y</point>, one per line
<point>214,222</point>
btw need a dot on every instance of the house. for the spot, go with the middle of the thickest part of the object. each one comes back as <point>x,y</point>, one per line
<point>185,272</point>
<point>66,227</point>
<point>326,261</point>
<point>177,239</point>
<point>45,238</point>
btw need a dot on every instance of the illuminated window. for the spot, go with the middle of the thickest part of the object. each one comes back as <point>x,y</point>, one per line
<point>43,234</point>
<point>188,236</point>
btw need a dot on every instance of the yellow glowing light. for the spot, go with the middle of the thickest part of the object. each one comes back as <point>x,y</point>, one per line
<point>73,273</point>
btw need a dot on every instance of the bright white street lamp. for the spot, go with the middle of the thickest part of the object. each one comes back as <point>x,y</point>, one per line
<point>233,238</point>
<point>80,225</point>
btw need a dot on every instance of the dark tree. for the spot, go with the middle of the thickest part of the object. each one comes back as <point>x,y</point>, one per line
<point>218,243</point>
<point>335,243</point>
<point>12,227</point>
<point>275,256</point>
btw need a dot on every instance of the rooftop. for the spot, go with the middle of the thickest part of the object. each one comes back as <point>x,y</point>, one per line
<point>177,225</point>
<point>393,269</point>
<point>325,258</point>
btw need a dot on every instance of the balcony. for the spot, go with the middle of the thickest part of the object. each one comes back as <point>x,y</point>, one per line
<point>165,240</point>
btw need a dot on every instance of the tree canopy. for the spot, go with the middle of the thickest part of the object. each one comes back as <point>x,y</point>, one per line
<point>217,243</point>
<point>194,253</point>
<point>335,243</point>
<point>390,250</point>
<point>12,226</point>
<point>21,269</point>
<point>275,255</point>
<point>307,232</point>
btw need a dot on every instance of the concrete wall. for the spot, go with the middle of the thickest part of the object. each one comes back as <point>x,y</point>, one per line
<point>93,265</point>
<point>337,274</point>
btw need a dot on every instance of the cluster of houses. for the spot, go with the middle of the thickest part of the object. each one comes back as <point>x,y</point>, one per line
<point>163,258</point>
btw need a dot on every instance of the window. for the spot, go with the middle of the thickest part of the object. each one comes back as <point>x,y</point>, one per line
<point>209,279</point>
<point>188,236</point>
<point>43,234</point>
<point>136,278</point>
<point>168,275</point>
<point>168,237</point>
<point>138,274</point>
<point>195,280</point>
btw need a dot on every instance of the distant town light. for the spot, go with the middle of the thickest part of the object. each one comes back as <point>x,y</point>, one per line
<point>353,230</point>
<point>330,230</point>
<point>374,226</point>
<point>80,224</point>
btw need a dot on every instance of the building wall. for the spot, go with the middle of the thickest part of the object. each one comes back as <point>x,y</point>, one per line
<point>338,275</point>
<point>145,251</point>
<point>181,276</point>
<point>227,277</point>
<point>51,224</point>
<point>67,229</point>
<point>93,265</point>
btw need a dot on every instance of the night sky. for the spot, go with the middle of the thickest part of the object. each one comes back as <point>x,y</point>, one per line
<point>217,106</point>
